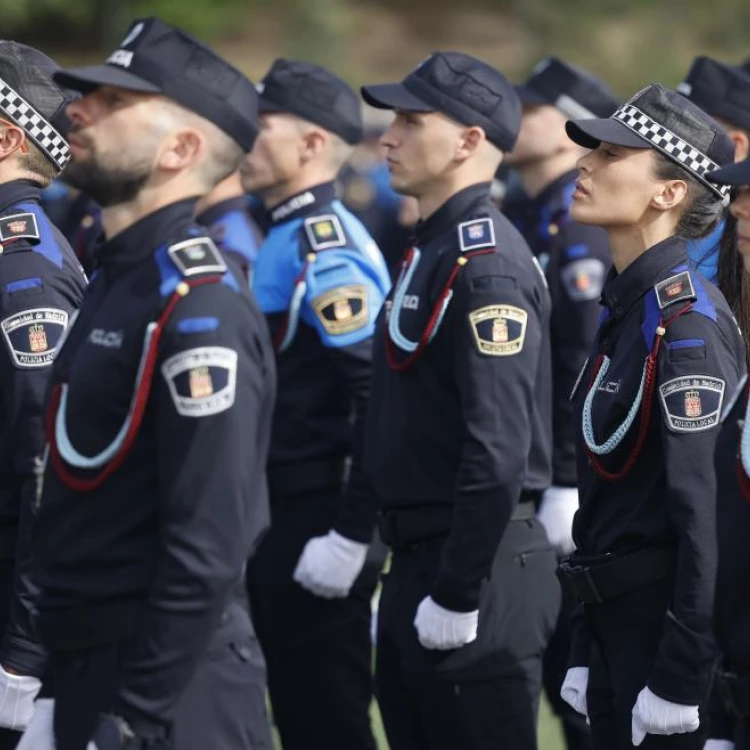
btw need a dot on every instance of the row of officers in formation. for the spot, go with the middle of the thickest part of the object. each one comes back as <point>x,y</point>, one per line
<point>542,413</point>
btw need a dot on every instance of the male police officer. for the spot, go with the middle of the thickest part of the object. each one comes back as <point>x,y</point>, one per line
<point>458,432</point>
<point>575,259</point>
<point>320,279</point>
<point>41,285</point>
<point>158,421</point>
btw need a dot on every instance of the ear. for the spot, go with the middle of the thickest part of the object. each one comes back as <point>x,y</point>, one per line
<point>670,195</point>
<point>181,150</point>
<point>741,142</point>
<point>470,142</point>
<point>12,138</point>
<point>313,143</point>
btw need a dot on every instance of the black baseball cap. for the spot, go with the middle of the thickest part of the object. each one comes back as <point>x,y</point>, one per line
<point>575,92</point>
<point>719,89</point>
<point>157,58</point>
<point>664,120</point>
<point>734,174</point>
<point>460,86</point>
<point>315,94</point>
<point>31,99</point>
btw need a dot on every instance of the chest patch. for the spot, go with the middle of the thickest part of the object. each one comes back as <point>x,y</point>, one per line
<point>32,336</point>
<point>499,330</point>
<point>692,403</point>
<point>343,309</point>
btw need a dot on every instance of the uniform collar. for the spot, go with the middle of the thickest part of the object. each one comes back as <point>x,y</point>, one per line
<point>306,202</point>
<point>216,212</point>
<point>457,207</point>
<point>142,239</point>
<point>622,291</point>
<point>19,191</point>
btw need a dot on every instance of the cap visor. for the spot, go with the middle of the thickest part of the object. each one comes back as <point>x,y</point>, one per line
<point>394,96</point>
<point>529,96</point>
<point>734,174</point>
<point>590,133</point>
<point>86,79</point>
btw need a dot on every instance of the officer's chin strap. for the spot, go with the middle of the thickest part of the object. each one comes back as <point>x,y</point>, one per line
<point>743,451</point>
<point>61,450</point>
<point>643,402</point>
<point>394,336</point>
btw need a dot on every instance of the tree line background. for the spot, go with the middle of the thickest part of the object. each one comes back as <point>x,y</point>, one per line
<point>629,43</point>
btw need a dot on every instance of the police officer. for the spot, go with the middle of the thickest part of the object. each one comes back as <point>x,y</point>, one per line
<point>730,722</point>
<point>320,280</point>
<point>158,422</point>
<point>722,91</point>
<point>648,402</point>
<point>575,258</point>
<point>457,439</point>
<point>225,213</point>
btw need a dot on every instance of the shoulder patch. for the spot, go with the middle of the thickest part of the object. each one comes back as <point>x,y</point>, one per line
<point>32,336</point>
<point>197,255</point>
<point>19,226</point>
<point>675,289</point>
<point>202,381</point>
<point>499,330</point>
<point>343,309</point>
<point>476,234</point>
<point>324,232</point>
<point>692,403</point>
<point>583,279</point>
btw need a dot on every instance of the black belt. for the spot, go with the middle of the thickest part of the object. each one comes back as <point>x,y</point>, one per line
<point>734,688</point>
<point>596,580</point>
<point>406,526</point>
<point>306,476</point>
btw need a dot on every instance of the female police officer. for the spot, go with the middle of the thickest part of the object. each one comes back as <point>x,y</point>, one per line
<point>648,402</point>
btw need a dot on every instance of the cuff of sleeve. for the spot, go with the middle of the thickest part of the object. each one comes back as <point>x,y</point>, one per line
<point>23,656</point>
<point>687,690</point>
<point>455,595</point>
<point>357,526</point>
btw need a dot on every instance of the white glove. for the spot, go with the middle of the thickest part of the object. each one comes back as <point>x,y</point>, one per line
<point>329,565</point>
<point>718,745</point>
<point>441,629</point>
<point>559,505</point>
<point>17,694</point>
<point>654,715</point>
<point>40,734</point>
<point>573,690</point>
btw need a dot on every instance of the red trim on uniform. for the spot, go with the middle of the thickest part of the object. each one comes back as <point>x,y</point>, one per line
<point>282,329</point>
<point>143,391</point>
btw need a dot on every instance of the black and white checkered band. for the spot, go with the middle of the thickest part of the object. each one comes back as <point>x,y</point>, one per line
<point>671,145</point>
<point>34,125</point>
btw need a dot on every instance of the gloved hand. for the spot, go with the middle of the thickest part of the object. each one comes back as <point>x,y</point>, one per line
<point>17,695</point>
<point>442,629</point>
<point>39,734</point>
<point>573,690</point>
<point>329,565</point>
<point>718,745</point>
<point>559,505</point>
<point>654,715</point>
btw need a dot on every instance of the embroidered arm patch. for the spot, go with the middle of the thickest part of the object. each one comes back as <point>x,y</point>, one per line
<point>476,234</point>
<point>202,381</point>
<point>692,403</point>
<point>583,279</point>
<point>343,309</point>
<point>32,336</point>
<point>675,289</point>
<point>499,330</point>
<point>324,232</point>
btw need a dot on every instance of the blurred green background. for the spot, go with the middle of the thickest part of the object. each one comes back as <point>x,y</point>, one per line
<point>627,42</point>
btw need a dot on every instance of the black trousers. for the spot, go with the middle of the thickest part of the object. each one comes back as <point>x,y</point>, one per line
<point>318,651</point>
<point>555,666</point>
<point>486,694</point>
<point>8,738</point>
<point>223,707</point>
<point>626,636</point>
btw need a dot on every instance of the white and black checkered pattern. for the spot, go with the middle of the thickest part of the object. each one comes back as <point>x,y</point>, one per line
<point>670,145</point>
<point>34,125</point>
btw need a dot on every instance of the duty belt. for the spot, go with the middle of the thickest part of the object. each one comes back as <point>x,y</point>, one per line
<point>405,526</point>
<point>734,689</point>
<point>596,580</point>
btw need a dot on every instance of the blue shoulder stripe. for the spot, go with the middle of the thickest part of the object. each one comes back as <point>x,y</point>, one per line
<point>47,245</point>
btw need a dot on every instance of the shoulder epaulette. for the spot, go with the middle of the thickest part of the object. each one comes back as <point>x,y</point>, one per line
<point>196,256</point>
<point>675,289</point>
<point>476,234</point>
<point>324,232</point>
<point>19,226</point>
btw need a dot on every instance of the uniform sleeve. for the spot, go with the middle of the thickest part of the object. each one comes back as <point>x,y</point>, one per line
<point>497,335</point>
<point>576,275</point>
<point>211,403</point>
<point>700,365</point>
<point>36,315</point>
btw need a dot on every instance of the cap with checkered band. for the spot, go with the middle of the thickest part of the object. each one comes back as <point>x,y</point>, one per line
<point>33,101</point>
<point>668,122</point>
